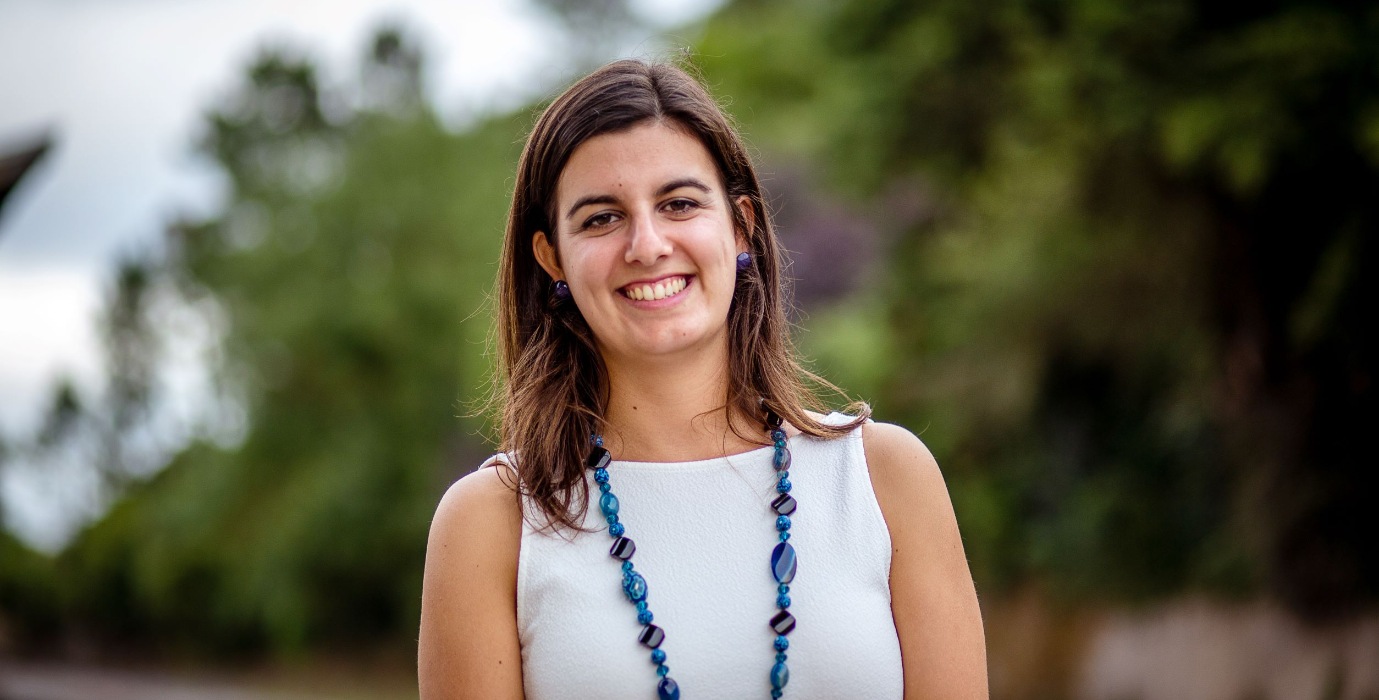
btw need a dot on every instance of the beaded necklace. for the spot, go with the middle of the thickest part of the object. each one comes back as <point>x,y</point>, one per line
<point>783,562</point>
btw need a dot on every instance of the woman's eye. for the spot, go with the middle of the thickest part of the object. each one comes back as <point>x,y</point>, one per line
<point>681,206</point>
<point>598,221</point>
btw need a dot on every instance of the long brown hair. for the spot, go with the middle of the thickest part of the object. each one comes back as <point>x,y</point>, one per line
<point>552,386</point>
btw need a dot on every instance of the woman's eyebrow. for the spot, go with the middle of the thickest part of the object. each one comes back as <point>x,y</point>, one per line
<point>591,199</point>
<point>683,182</point>
<point>664,190</point>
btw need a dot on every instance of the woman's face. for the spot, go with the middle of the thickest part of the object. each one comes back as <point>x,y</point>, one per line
<point>646,242</point>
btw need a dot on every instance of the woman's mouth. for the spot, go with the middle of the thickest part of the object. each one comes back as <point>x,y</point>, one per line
<point>660,289</point>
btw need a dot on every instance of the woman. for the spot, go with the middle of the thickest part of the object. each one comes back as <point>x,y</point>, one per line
<point>667,513</point>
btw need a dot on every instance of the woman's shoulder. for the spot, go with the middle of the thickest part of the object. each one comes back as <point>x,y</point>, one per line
<point>482,499</point>
<point>903,471</point>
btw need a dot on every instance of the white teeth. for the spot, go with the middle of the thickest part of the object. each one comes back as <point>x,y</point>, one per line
<point>661,290</point>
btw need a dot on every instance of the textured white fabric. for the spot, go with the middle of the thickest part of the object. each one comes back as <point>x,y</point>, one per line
<point>704,532</point>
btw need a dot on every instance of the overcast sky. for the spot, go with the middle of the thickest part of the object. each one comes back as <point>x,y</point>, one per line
<point>121,86</point>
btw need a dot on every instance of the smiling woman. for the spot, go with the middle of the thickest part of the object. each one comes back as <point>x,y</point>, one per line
<point>640,315</point>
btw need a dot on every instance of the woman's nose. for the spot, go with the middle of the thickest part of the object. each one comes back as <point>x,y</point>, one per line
<point>648,242</point>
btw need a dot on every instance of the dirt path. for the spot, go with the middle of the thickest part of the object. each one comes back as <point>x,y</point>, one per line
<point>33,681</point>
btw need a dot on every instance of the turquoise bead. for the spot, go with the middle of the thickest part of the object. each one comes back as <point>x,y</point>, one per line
<point>608,503</point>
<point>662,670</point>
<point>782,644</point>
<point>616,529</point>
<point>782,601</point>
<point>783,523</point>
<point>780,675</point>
<point>634,586</point>
<point>657,656</point>
<point>783,486</point>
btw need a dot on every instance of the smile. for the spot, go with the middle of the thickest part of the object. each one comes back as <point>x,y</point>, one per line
<point>660,289</point>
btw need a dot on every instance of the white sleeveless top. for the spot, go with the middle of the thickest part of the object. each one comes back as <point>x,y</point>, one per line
<point>704,533</point>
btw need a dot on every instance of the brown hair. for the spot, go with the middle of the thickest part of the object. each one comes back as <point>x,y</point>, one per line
<point>551,388</point>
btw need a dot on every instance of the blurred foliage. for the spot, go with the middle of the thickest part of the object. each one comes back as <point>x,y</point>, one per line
<point>1106,257</point>
<point>1120,294</point>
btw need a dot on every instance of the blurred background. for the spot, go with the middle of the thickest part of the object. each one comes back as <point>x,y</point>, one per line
<point>1107,257</point>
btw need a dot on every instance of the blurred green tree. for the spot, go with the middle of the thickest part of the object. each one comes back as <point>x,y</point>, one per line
<point>345,276</point>
<point>1123,290</point>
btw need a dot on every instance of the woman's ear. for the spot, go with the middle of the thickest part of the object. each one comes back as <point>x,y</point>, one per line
<point>546,256</point>
<point>749,222</point>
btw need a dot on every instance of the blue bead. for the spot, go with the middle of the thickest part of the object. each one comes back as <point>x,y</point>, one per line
<point>608,503</point>
<point>662,670</point>
<point>782,601</point>
<point>612,520</point>
<point>627,567</point>
<point>783,523</point>
<point>667,689</point>
<point>616,529</point>
<point>782,476</point>
<point>780,444</point>
<point>658,656</point>
<point>601,475</point>
<point>598,440</point>
<point>605,487</point>
<point>783,588</point>
<point>641,607</point>
<point>782,644</point>
<point>781,461</point>
<point>783,486</point>
<point>778,434</point>
<point>634,586</point>
<point>644,617</point>
<point>783,563</point>
<point>780,656</point>
<point>780,675</point>
<point>784,536</point>
<point>776,693</point>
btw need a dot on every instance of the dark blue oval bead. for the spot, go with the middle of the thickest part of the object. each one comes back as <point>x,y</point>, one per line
<point>634,586</point>
<point>598,458</point>
<point>667,689</point>
<point>781,461</point>
<point>783,563</point>
<point>608,503</point>
<point>784,504</point>
<point>780,675</point>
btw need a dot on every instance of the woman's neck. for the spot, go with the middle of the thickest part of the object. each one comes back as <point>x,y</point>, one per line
<point>672,411</point>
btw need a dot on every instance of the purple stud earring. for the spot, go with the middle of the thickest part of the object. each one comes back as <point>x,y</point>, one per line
<point>562,290</point>
<point>744,261</point>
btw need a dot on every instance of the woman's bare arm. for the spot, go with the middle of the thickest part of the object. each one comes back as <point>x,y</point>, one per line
<point>468,647</point>
<point>934,603</point>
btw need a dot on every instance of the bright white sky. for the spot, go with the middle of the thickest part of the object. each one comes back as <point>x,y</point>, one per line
<point>122,84</point>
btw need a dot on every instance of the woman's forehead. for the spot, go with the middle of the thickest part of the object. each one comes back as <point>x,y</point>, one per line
<point>635,161</point>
